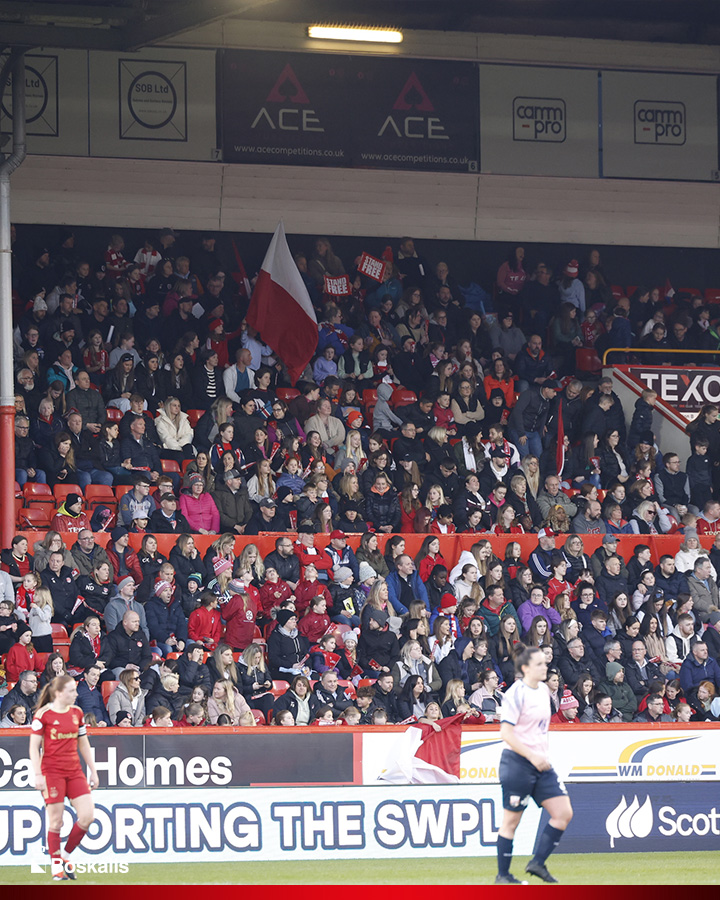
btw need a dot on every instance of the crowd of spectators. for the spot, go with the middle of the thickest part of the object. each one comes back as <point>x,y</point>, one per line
<point>427,409</point>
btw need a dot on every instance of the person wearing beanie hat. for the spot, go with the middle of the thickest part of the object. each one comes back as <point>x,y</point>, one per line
<point>567,714</point>
<point>118,532</point>
<point>167,623</point>
<point>342,574</point>
<point>240,613</point>
<point>570,287</point>
<point>70,516</point>
<point>125,601</point>
<point>623,698</point>
<point>355,419</point>
<point>287,648</point>
<point>366,572</point>
<point>123,559</point>
<point>221,564</point>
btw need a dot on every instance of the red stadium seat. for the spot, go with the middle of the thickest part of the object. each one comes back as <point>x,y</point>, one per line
<point>121,489</point>
<point>694,292</point>
<point>587,360</point>
<point>169,465</point>
<point>106,688</point>
<point>712,295</point>
<point>258,716</point>
<point>279,688</point>
<point>60,491</point>
<point>42,492</point>
<point>402,397</point>
<point>100,494</point>
<point>630,290</point>
<point>114,414</point>
<point>194,416</point>
<point>617,291</point>
<point>59,634</point>
<point>369,395</point>
<point>32,518</point>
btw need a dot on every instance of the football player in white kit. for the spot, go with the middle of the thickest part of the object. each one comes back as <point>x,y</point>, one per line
<point>525,770</point>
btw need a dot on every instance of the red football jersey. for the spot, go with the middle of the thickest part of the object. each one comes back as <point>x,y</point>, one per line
<point>60,733</point>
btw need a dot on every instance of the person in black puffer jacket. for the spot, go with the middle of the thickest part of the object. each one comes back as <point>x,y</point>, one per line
<point>642,417</point>
<point>168,696</point>
<point>287,648</point>
<point>382,507</point>
<point>377,645</point>
<point>193,673</point>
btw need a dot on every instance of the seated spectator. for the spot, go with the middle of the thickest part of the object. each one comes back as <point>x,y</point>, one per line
<point>128,698</point>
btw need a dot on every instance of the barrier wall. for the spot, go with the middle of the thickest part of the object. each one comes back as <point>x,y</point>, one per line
<point>161,797</point>
<point>451,545</point>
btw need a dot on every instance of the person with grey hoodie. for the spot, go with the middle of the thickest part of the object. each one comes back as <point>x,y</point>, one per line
<point>384,419</point>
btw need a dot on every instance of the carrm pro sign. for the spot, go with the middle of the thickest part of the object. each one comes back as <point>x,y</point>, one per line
<point>660,122</point>
<point>539,119</point>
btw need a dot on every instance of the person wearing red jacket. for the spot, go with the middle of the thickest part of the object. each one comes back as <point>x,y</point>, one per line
<point>239,614</point>
<point>21,656</point>
<point>308,588</point>
<point>316,621</point>
<point>205,622</point>
<point>70,516</point>
<point>308,555</point>
<point>567,714</point>
<point>273,591</point>
<point>123,558</point>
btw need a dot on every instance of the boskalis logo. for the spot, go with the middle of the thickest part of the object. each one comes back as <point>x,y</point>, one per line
<point>651,759</point>
<point>287,106</point>
<point>660,122</point>
<point>633,821</point>
<point>539,119</point>
<point>411,117</point>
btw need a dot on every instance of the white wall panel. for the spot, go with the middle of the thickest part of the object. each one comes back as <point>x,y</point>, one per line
<point>152,194</point>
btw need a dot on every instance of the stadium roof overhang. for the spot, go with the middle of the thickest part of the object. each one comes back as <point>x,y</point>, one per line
<point>124,25</point>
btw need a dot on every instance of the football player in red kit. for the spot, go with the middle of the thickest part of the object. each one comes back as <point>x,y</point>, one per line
<point>58,734</point>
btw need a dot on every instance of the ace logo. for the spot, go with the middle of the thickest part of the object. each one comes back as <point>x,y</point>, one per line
<point>298,117</point>
<point>413,100</point>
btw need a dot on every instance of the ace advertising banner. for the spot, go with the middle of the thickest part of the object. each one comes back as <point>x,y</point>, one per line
<point>415,114</point>
<point>539,121</point>
<point>659,126</point>
<point>287,108</point>
<point>314,109</point>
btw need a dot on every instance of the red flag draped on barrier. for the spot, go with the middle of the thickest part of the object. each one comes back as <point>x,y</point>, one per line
<point>425,756</point>
<point>281,309</point>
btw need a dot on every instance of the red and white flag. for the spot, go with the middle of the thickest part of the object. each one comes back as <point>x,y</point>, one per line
<point>425,756</point>
<point>281,309</point>
<point>669,290</point>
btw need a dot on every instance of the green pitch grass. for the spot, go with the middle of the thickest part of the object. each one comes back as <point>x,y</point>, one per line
<point>590,868</point>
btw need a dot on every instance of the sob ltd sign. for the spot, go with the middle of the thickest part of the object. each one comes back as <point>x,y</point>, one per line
<point>687,391</point>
